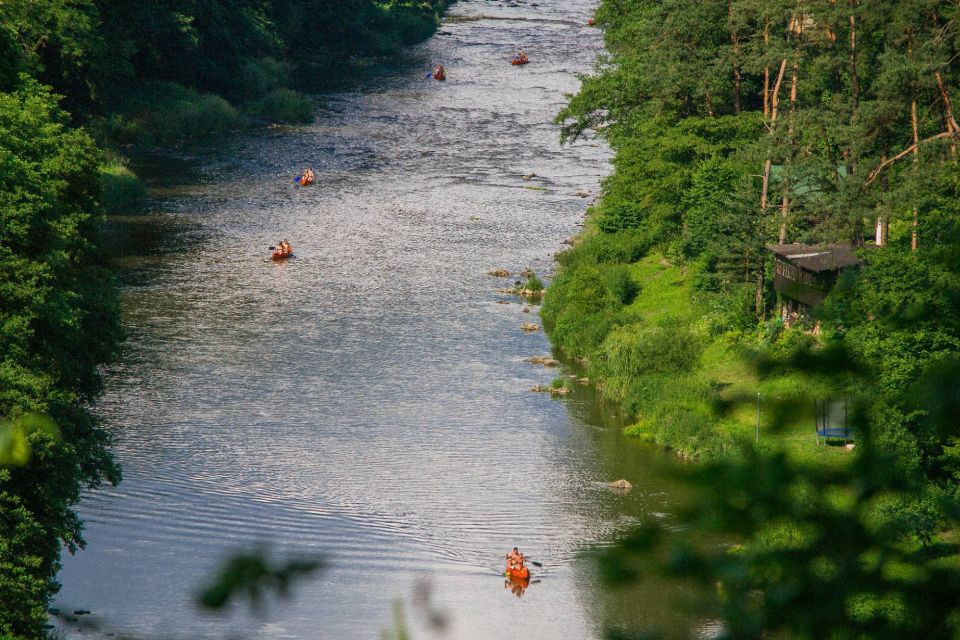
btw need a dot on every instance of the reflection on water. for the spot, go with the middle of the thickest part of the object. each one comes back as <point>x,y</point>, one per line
<point>369,400</point>
<point>517,586</point>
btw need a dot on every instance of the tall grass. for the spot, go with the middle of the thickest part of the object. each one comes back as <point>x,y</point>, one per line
<point>283,106</point>
<point>121,190</point>
<point>161,113</point>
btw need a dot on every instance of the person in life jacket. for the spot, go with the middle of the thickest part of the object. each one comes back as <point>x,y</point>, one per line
<point>514,560</point>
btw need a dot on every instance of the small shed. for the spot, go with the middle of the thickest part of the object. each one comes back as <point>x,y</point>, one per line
<point>805,273</point>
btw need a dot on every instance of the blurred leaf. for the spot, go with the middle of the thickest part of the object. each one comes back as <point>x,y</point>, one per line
<point>253,575</point>
<point>15,438</point>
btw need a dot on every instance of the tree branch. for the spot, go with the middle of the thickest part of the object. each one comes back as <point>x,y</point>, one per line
<point>914,147</point>
<point>948,108</point>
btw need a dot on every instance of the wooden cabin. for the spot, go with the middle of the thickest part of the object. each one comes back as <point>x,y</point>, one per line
<point>805,274</point>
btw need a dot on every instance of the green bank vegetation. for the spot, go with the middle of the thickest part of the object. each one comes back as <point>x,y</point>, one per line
<point>78,79</point>
<point>742,123</point>
<point>735,125</point>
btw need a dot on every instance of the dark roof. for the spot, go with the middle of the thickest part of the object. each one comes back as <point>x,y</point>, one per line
<point>817,257</point>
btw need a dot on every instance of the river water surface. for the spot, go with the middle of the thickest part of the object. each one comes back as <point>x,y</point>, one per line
<point>367,400</point>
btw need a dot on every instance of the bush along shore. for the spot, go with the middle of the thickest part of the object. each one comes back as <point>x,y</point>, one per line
<point>77,81</point>
<point>162,76</point>
<point>776,253</point>
<point>784,188</point>
<point>779,244</point>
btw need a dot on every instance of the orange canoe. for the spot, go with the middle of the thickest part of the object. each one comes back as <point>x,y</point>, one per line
<point>520,61</point>
<point>305,181</point>
<point>282,255</point>
<point>518,574</point>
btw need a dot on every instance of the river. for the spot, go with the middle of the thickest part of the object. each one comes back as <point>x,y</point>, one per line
<point>367,400</point>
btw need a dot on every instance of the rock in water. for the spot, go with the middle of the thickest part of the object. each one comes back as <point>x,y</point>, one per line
<point>551,390</point>
<point>530,326</point>
<point>620,484</point>
<point>499,273</point>
<point>546,361</point>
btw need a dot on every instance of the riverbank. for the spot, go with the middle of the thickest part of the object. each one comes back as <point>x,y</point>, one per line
<point>660,350</point>
<point>669,294</point>
<point>262,87</point>
<point>80,85</point>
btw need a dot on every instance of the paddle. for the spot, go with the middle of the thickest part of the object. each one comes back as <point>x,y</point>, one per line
<point>533,562</point>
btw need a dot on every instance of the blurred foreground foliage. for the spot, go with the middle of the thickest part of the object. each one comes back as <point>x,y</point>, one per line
<point>253,575</point>
<point>786,549</point>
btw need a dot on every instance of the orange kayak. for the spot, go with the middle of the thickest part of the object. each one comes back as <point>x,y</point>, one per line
<point>281,255</point>
<point>518,574</point>
<point>521,61</point>
<point>305,181</point>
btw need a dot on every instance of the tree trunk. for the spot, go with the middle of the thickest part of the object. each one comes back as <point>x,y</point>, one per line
<point>785,204</point>
<point>784,213</point>
<point>854,76</point>
<point>952,126</point>
<point>766,69</point>
<point>883,231</point>
<point>916,153</point>
<point>735,45</point>
<point>774,111</point>
<point>883,221</point>
<point>759,307</point>
<point>854,84</point>
<point>767,166</point>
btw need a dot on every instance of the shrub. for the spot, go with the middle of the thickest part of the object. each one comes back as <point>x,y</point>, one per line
<point>691,432</point>
<point>121,190</point>
<point>283,105</point>
<point>634,350</point>
<point>622,247</point>
<point>534,283</point>
<point>619,217</point>
<point>579,310</point>
<point>620,283</point>
<point>258,77</point>
<point>155,112</point>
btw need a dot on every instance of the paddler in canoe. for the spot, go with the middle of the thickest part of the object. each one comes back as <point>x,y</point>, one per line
<point>515,566</point>
<point>439,73</point>
<point>306,177</point>
<point>520,58</point>
<point>282,250</point>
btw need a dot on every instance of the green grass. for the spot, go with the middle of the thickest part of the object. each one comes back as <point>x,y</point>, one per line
<point>659,354</point>
<point>155,112</point>
<point>665,292</point>
<point>534,283</point>
<point>283,106</point>
<point>122,191</point>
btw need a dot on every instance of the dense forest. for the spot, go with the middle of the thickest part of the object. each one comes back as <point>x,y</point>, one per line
<point>77,79</point>
<point>739,125</point>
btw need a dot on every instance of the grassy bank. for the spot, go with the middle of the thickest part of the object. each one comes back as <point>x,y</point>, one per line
<point>671,357</point>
